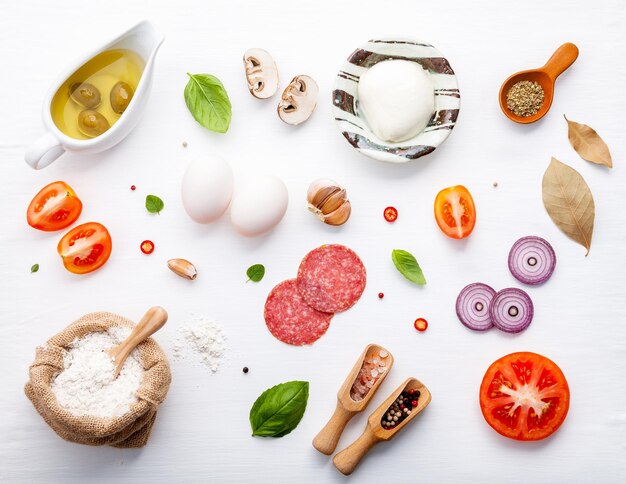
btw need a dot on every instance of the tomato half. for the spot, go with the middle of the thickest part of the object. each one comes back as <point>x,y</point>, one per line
<point>524,396</point>
<point>85,248</point>
<point>455,211</point>
<point>55,207</point>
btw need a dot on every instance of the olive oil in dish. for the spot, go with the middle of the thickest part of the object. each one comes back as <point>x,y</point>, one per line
<point>94,97</point>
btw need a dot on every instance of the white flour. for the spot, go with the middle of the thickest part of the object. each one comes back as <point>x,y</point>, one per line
<point>86,386</point>
<point>205,338</point>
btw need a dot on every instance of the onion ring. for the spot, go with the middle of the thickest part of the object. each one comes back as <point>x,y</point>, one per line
<point>511,310</point>
<point>472,306</point>
<point>532,260</point>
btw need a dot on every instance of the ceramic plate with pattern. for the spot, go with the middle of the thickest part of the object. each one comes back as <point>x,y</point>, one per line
<point>346,102</point>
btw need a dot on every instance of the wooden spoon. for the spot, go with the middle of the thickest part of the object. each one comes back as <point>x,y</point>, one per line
<point>152,321</point>
<point>545,76</point>
<point>326,441</point>
<point>347,460</point>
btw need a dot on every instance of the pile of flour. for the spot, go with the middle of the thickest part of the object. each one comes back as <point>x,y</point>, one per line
<point>87,386</point>
<point>206,339</point>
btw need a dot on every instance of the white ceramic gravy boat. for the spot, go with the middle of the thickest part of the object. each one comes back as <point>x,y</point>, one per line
<point>142,39</point>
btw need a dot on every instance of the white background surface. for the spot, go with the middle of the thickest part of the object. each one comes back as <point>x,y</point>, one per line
<point>202,431</point>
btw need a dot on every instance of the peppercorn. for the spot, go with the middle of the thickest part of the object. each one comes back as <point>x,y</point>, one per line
<point>245,369</point>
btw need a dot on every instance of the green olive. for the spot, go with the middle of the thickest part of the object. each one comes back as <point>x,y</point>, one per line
<point>85,94</point>
<point>121,94</point>
<point>91,123</point>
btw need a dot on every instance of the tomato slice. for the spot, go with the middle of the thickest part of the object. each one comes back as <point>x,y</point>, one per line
<point>85,248</point>
<point>455,211</point>
<point>55,207</point>
<point>524,396</point>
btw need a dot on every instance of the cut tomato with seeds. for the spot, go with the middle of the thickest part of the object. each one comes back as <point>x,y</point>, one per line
<point>524,396</point>
<point>147,247</point>
<point>455,212</point>
<point>85,248</point>
<point>390,214</point>
<point>55,207</point>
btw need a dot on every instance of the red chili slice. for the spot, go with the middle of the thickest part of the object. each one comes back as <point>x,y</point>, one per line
<point>390,214</point>
<point>147,247</point>
<point>420,324</point>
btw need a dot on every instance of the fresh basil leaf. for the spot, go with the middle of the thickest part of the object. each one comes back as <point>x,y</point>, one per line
<point>408,266</point>
<point>279,409</point>
<point>154,204</point>
<point>34,268</point>
<point>208,102</point>
<point>255,273</point>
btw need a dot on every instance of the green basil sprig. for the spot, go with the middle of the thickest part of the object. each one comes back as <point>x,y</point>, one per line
<point>408,266</point>
<point>255,273</point>
<point>279,409</point>
<point>208,102</point>
<point>154,204</point>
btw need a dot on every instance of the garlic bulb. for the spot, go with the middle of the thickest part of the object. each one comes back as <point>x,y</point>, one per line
<point>329,202</point>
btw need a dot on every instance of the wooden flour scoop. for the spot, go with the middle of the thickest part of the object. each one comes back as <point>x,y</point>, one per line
<point>347,460</point>
<point>326,441</point>
<point>151,322</point>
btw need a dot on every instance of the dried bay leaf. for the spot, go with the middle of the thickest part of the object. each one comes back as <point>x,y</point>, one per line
<point>569,202</point>
<point>588,143</point>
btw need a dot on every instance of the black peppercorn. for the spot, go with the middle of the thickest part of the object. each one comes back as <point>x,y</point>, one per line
<point>245,369</point>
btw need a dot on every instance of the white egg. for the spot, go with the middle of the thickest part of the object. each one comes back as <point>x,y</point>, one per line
<point>207,189</point>
<point>259,204</point>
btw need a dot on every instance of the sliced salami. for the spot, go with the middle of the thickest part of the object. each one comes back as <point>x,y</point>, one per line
<point>331,278</point>
<point>290,319</point>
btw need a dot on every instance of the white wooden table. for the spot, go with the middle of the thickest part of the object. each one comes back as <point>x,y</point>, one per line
<point>202,432</point>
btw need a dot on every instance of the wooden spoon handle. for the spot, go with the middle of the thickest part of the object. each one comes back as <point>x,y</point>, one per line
<point>152,321</point>
<point>327,439</point>
<point>347,460</point>
<point>561,60</point>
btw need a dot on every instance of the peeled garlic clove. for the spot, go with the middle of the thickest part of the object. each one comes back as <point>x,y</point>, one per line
<point>329,202</point>
<point>339,216</point>
<point>183,268</point>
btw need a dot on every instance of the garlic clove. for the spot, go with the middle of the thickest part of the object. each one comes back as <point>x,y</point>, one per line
<point>333,202</point>
<point>183,268</point>
<point>339,216</point>
<point>328,201</point>
<point>320,190</point>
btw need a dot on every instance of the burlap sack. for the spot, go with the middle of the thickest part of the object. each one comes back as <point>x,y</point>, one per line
<point>131,429</point>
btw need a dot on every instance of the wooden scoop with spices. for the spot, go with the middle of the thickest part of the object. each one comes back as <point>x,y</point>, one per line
<point>526,96</point>
<point>357,390</point>
<point>391,417</point>
<point>152,321</point>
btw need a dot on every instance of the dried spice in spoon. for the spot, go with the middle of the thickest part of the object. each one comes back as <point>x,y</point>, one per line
<point>525,98</point>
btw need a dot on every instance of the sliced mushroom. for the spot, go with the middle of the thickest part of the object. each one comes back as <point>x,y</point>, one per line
<point>261,73</point>
<point>298,100</point>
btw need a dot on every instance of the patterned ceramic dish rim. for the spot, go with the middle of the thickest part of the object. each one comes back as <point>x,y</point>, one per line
<point>445,89</point>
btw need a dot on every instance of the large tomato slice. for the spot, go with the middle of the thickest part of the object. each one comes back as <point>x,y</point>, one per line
<point>455,211</point>
<point>55,207</point>
<point>524,396</point>
<point>85,248</point>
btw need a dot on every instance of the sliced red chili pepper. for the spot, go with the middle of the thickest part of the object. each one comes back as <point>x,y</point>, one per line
<point>421,324</point>
<point>390,214</point>
<point>147,247</point>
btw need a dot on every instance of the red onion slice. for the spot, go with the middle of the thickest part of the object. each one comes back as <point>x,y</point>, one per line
<point>511,310</point>
<point>532,260</point>
<point>472,306</point>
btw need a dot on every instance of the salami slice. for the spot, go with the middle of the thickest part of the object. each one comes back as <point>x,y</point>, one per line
<point>331,278</point>
<point>290,319</point>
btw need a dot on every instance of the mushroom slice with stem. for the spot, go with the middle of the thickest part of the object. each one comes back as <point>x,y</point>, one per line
<point>261,73</point>
<point>298,100</point>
